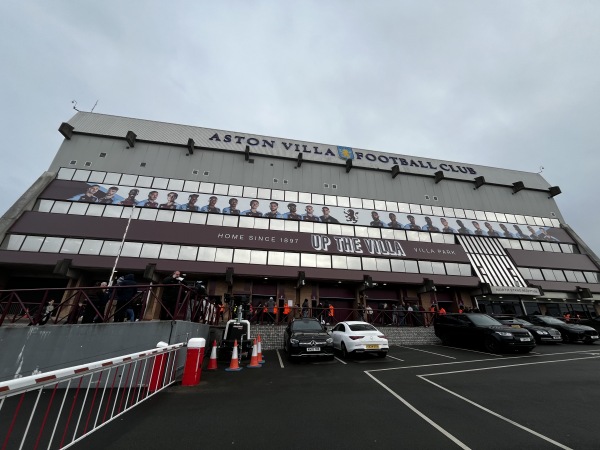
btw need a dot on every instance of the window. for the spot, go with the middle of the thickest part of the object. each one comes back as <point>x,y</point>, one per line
<point>452,269</point>
<point>52,245</point>
<point>91,247</point>
<point>536,274</point>
<point>339,262</point>
<point>224,255</point>
<point>110,248</point>
<point>591,277</point>
<point>425,267</point>
<point>12,242</point>
<point>45,205</point>
<point>188,253</point>
<point>131,249</point>
<point>71,245</point>
<point>150,251</point>
<point>207,254</point>
<point>276,258</point>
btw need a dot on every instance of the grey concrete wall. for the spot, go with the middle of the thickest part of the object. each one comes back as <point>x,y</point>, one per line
<point>51,347</point>
<point>272,336</point>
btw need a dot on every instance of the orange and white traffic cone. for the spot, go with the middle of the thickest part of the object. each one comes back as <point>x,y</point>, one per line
<point>254,364</point>
<point>234,366</point>
<point>212,363</point>
<point>260,356</point>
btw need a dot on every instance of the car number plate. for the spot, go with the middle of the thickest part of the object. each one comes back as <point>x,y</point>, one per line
<point>525,339</point>
<point>372,346</point>
<point>313,349</point>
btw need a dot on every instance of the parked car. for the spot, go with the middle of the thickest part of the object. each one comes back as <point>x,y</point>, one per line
<point>354,337</point>
<point>540,333</point>
<point>307,338</point>
<point>593,322</point>
<point>482,330</point>
<point>570,332</point>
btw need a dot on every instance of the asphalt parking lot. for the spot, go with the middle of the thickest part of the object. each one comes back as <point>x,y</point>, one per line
<point>425,397</point>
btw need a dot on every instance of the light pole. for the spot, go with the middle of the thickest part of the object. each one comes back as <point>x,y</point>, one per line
<point>114,269</point>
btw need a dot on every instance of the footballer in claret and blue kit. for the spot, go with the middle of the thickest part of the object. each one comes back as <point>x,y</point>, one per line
<point>168,199</point>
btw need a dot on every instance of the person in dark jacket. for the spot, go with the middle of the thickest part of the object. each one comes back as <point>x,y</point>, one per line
<point>169,297</point>
<point>124,296</point>
<point>94,308</point>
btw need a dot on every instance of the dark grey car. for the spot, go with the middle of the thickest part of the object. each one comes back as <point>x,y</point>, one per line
<point>307,338</point>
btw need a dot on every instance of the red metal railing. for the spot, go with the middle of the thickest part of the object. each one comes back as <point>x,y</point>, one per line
<point>68,305</point>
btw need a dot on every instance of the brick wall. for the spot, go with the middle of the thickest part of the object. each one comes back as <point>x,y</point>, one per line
<point>272,336</point>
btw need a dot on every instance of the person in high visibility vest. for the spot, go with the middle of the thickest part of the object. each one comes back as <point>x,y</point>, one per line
<point>286,312</point>
<point>330,315</point>
<point>275,318</point>
<point>442,310</point>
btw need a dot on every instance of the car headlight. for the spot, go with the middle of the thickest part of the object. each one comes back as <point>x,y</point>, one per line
<point>329,340</point>
<point>504,333</point>
<point>294,341</point>
<point>541,332</point>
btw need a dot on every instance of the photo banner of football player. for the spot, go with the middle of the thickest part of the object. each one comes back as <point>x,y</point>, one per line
<point>276,209</point>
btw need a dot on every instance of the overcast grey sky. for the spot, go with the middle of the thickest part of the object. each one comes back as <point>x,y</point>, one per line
<point>511,84</point>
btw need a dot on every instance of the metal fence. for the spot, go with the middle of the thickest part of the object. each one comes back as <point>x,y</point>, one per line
<point>75,305</point>
<point>56,409</point>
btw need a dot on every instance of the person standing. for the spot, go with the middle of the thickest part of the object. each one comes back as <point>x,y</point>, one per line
<point>48,312</point>
<point>369,311</point>
<point>361,312</point>
<point>305,308</point>
<point>394,315</point>
<point>124,296</point>
<point>271,310</point>
<point>401,315</point>
<point>170,294</point>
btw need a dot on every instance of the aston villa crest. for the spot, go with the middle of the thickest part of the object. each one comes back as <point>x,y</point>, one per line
<point>345,153</point>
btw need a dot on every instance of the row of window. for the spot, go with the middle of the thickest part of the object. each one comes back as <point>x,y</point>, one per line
<point>50,244</point>
<point>573,276</point>
<point>165,215</point>
<point>293,196</point>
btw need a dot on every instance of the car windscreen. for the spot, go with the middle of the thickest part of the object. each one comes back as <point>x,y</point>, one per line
<point>551,320</point>
<point>483,320</point>
<point>309,325</point>
<point>362,327</point>
<point>522,322</point>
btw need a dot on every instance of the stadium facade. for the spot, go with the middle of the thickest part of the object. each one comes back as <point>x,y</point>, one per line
<point>261,216</point>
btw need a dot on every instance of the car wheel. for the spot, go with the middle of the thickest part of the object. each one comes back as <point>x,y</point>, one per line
<point>491,345</point>
<point>345,353</point>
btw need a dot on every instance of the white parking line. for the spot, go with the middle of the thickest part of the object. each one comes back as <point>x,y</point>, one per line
<point>472,351</point>
<point>343,362</point>
<point>533,363</point>
<point>393,357</point>
<point>425,351</point>
<point>280,360</point>
<point>472,361</point>
<point>421,415</point>
<point>499,416</point>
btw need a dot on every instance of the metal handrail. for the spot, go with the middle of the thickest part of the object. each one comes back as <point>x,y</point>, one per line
<point>16,306</point>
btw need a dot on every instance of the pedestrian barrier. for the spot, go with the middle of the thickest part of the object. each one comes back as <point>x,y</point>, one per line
<point>59,408</point>
<point>234,366</point>
<point>193,362</point>
<point>254,364</point>
<point>212,362</point>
